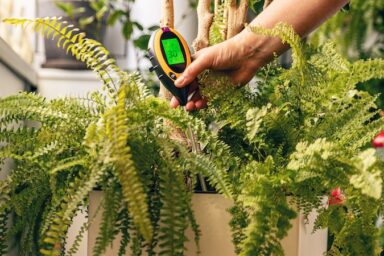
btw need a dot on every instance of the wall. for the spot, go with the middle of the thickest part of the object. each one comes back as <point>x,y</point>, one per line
<point>10,84</point>
<point>22,41</point>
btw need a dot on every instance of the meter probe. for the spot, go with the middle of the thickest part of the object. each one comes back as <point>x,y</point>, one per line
<point>170,56</point>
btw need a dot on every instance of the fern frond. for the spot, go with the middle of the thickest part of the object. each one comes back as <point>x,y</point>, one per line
<point>254,120</point>
<point>218,28</point>
<point>68,164</point>
<point>116,128</point>
<point>195,227</point>
<point>306,155</point>
<point>269,214</point>
<point>13,134</point>
<point>108,226</point>
<point>74,198</point>
<point>217,178</point>
<point>174,198</point>
<point>89,51</point>
<point>31,107</point>
<point>329,60</point>
<point>287,35</point>
<point>125,227</point>
<point>239,223</point>
<point>223,158</point>
<point>5,197</point>
<point>83,229</point>
<point>368,177</point>
<point>4,214</point>
<point>365,70</point>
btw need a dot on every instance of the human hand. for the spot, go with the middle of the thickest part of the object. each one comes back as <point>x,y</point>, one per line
<point>236,57</point>
<point>242,55</point>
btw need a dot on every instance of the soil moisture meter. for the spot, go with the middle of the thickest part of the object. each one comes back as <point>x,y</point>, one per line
<point>170,55</point>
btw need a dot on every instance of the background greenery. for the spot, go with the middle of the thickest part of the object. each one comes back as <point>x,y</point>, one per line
<point>359,33</point>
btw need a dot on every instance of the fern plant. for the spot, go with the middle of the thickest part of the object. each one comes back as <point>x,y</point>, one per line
<point>116,141</point>
<point>300,133</point>
<point>358,29</point>
<point>358,33</point>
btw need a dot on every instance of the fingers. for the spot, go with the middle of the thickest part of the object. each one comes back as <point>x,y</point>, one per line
<point>197,102</point>
<point>174,103</point>
<point>241,76</point>
<point>203,60</point>
<point>193,89</point>
<point>201,103</point>
<point>190,106</point>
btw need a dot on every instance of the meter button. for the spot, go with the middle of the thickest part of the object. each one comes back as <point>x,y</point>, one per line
<point>172,75</point>
<point>153,68</point>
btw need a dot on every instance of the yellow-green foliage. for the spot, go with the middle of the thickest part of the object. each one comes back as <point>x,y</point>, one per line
<point>357,29</point>
<point>300,132</point>
<point>115,141</point>
<point>218,28</point>
<point>358,32</point>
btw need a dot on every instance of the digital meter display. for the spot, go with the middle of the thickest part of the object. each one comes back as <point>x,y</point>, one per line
<point>173,51</point>
<point>169,55</point>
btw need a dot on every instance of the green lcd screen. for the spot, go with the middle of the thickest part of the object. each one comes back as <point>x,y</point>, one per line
<point>173,51</point>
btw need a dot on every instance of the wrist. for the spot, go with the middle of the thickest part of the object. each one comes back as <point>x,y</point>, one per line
<point>258,49</point>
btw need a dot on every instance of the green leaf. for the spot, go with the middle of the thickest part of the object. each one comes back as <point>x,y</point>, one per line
<point>368,182</point>
<point>97,5</point>
<point>255,119</point>
<point>138,25</point>
<point>115,16</point>
<point>127,30</point>
<point>101,13</point>
<point>153,28</point>
<point>142,42</point>
<point>256,5</point>
<point>368,179</point>
<point>68,8</point>
<point>193,3</point>
<point>86,21</point>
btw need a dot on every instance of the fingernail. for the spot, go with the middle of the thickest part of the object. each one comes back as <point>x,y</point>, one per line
<point>180,81</point>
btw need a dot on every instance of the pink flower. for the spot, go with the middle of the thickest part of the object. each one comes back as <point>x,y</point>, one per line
<point>337,197</point>
<point>378,141</point>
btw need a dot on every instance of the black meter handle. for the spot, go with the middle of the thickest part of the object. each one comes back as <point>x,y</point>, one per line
<point>181,94</point>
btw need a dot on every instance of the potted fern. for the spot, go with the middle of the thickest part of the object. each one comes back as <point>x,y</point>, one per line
<point>285,139</point>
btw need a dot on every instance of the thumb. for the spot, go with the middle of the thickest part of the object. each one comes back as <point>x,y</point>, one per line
<point>203,60</point>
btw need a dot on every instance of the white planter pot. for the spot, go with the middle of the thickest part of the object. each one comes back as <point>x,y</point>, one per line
<point>211,214</point>
<point>57,83</point>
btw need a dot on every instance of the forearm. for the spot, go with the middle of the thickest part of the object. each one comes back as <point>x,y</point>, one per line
<point>241,56</point>
<point>303,15</point>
